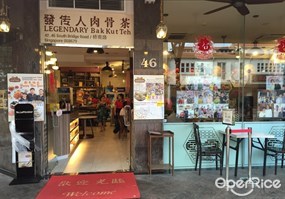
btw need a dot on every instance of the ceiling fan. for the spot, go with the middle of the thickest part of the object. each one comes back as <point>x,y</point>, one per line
<point>240,5</point>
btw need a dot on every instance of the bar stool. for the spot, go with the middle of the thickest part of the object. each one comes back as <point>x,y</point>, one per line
<point>87,118</point>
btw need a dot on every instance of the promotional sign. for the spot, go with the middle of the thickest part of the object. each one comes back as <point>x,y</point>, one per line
<point>65,27</point>
<point>26,88</point>
<point>229,116</point>
<point>148,97</point>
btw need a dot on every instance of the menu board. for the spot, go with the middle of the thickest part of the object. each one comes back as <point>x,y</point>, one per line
<point>148,97</point>
<point>26,88</point>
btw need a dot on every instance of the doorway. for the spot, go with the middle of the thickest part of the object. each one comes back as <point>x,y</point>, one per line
<point>80,70</point>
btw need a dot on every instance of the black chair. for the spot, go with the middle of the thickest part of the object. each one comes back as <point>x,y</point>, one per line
<point>207,149</point>
<point>276,148</point>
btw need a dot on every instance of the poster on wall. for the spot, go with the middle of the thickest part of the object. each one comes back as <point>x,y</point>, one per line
<point>26,88</point>
<point>270,104</point>
<point>204,68</point>
<point>274,82</point>
<point>148,97</point>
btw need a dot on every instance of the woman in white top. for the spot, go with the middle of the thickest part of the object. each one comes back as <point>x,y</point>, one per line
<point>268,111</point>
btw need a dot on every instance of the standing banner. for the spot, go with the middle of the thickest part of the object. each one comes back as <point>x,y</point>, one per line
<point>148,97</point>
<point>26,88</point>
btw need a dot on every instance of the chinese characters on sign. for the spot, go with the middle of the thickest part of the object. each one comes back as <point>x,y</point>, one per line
<point>26,88</point>
<point>101,181</point>
<point>73,27</point>
<point>204,47</point>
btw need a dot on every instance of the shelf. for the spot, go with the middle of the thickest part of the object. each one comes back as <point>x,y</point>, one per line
<point>83,79</point>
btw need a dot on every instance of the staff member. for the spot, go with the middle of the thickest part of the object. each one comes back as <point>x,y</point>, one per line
<point>118,106</point>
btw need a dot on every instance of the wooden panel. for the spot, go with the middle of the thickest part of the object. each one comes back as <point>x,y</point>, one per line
<point>146,18</point>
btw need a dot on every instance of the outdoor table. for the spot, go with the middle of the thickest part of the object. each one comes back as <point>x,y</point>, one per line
<point>240,137</point>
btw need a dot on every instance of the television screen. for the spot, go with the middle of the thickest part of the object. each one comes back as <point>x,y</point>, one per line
<point>270,104</point>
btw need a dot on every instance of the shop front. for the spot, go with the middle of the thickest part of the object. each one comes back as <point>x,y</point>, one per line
<point>235,65</point>
<point>207,67</point>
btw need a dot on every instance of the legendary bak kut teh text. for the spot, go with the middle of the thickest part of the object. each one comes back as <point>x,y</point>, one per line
<point>71,29</point>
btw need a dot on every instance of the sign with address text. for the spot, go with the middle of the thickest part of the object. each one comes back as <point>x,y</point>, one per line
<point>86,28</point>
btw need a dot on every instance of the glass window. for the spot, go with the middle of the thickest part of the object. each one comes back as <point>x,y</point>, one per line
<point>112,4</point>
<point>245,72</point>
<point>201,89</point>
<point>89,4</point>
<point>61,3</point>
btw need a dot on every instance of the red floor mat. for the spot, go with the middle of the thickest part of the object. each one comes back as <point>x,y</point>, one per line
<point>106,185</point>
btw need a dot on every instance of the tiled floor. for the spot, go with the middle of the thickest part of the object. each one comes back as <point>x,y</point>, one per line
<point>104,152</point>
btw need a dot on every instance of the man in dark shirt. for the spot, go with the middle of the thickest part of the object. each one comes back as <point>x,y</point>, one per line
<point>32,96</point>
<point>41,95</point>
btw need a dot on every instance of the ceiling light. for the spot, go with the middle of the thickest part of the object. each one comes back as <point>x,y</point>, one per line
<point>255,51</point>
<point>4,20</point>
<point>53,59</point>
<point>95,50</point>
<point>161,28</point>
<point>47,71</point>
<point>55,67</point>
<point>49,53</point>
<point>107,68</point>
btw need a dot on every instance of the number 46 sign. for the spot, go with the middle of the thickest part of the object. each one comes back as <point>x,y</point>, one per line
<point>152,63</point>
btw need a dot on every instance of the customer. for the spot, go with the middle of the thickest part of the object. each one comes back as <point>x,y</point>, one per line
<point>118,106</point>
<point>123,128</point>
<point>101,113</point>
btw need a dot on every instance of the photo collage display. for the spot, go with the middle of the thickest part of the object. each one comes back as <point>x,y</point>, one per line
<point>271,104</point>
<point>203,96</point>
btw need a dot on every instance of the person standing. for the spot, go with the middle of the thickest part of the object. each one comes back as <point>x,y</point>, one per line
<point>123,128</point>
<point>101,113</point>
<point>118,106</point>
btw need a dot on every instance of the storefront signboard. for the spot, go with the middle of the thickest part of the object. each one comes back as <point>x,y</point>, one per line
<point>148,97</point>
<point>89,28</point>
<point>26,88</point>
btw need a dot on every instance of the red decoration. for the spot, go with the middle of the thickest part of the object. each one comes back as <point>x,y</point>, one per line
<point>204,47</point>
<point>281,45</point>
<point>51,82</point>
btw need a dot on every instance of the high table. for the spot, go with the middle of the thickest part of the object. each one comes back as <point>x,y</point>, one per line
<point>239,138</point>
<point>90,118</point>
